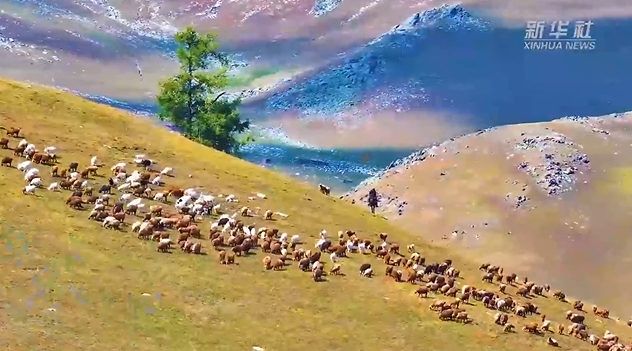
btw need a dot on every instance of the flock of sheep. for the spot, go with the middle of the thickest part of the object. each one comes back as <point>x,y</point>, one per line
<point>231,238</point>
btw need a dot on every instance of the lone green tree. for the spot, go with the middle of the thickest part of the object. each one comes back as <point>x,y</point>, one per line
<point>191,100</point>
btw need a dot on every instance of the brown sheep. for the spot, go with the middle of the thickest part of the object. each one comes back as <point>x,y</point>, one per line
<point>462,317</point>
<point>54,171</point>
<point>267,262</point>
<point>559,295</point>
<point>4,143</point>
<point>488,277</point>
<point>560,329</point>
<point>397,261</point>
<point>531,328</point>
<point>12,131</point>
<point>317,274</point>
<point>230,258</point>
<point>155,210</point>
<point>7,161</point>
<point>217,242</point>
<point>446,315</point>
<point>523,291</point>
<point>336,270</point>
<point>131,210</point>
<point>93,170</point>
<point>437,305</point>
<point>193,230</point>
<point>176,193</point>
<point>508,328</point>
<point>278,265</point>
<point>394,248</point>
<point>501,318</point>
<point>268,215</point>
<point>164,246</point>
<point>222,257</point>
<point>120,216</point>
<point>72,167</point>
<point>37,157</point>
<point>75,202</point>
<point>601,312</point>
<point>18,151</point>
<point>324,189</point>
<point>578,305</point>
<point>396,275</point>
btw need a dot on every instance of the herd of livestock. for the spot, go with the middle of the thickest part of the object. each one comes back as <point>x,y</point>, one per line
<point>231,238</point>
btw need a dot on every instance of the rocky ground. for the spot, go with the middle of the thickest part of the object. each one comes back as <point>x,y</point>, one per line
<point>551,200</point>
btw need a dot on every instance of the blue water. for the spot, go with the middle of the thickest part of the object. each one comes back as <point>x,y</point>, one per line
<point>341,169</point>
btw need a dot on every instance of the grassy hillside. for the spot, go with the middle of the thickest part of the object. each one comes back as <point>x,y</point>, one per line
<point>68,284</point>
<point>473,185</point>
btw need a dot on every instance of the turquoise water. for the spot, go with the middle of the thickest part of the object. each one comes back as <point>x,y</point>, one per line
<point>341,169</point>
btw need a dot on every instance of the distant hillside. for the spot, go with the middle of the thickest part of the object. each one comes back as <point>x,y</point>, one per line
<point>551,200</point>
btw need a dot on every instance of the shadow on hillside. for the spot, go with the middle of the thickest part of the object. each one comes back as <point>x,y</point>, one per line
<point>490,78</point>
<point>487,78</point>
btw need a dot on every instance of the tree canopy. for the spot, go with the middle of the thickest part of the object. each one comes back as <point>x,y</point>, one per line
<point>192,99</point>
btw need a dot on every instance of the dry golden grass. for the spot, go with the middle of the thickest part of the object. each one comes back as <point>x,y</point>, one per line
<point>68,284</point>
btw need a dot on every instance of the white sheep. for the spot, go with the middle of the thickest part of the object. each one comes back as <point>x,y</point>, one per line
<point>29,149</point>
<point>125,197</point>
<point>545,325</point>
<point>135,202</point>
<point>74,175</point>
<point>167,171</point>
<point>134,184</point>
<point>156,180</point>
<point>23,143</point>
<point>94,161</point>
<point>362,248</point>
<point>594,339</point>
<point>183,202</point>
<point>30,173</point>
<point>24,166</point>
<point>351,246</point>
<point>319,243</point>
<point>123,187</point>
<point>37,182</point>
<point>120,166</point>
<point>160,197</point>
<point>333,257</point>
<point>54,187</point>
<point>283,238</point>
<point>215,209</point>
<point>230,198</point>
<point>29,189</point>
<point>50,150</point>
<point>110,222</point>
<point>323,234</point>
<point>99,207</point>
<point>84,184</point>
<point>367,272</point>
<point>191,193</point>
<point>296,239</point>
